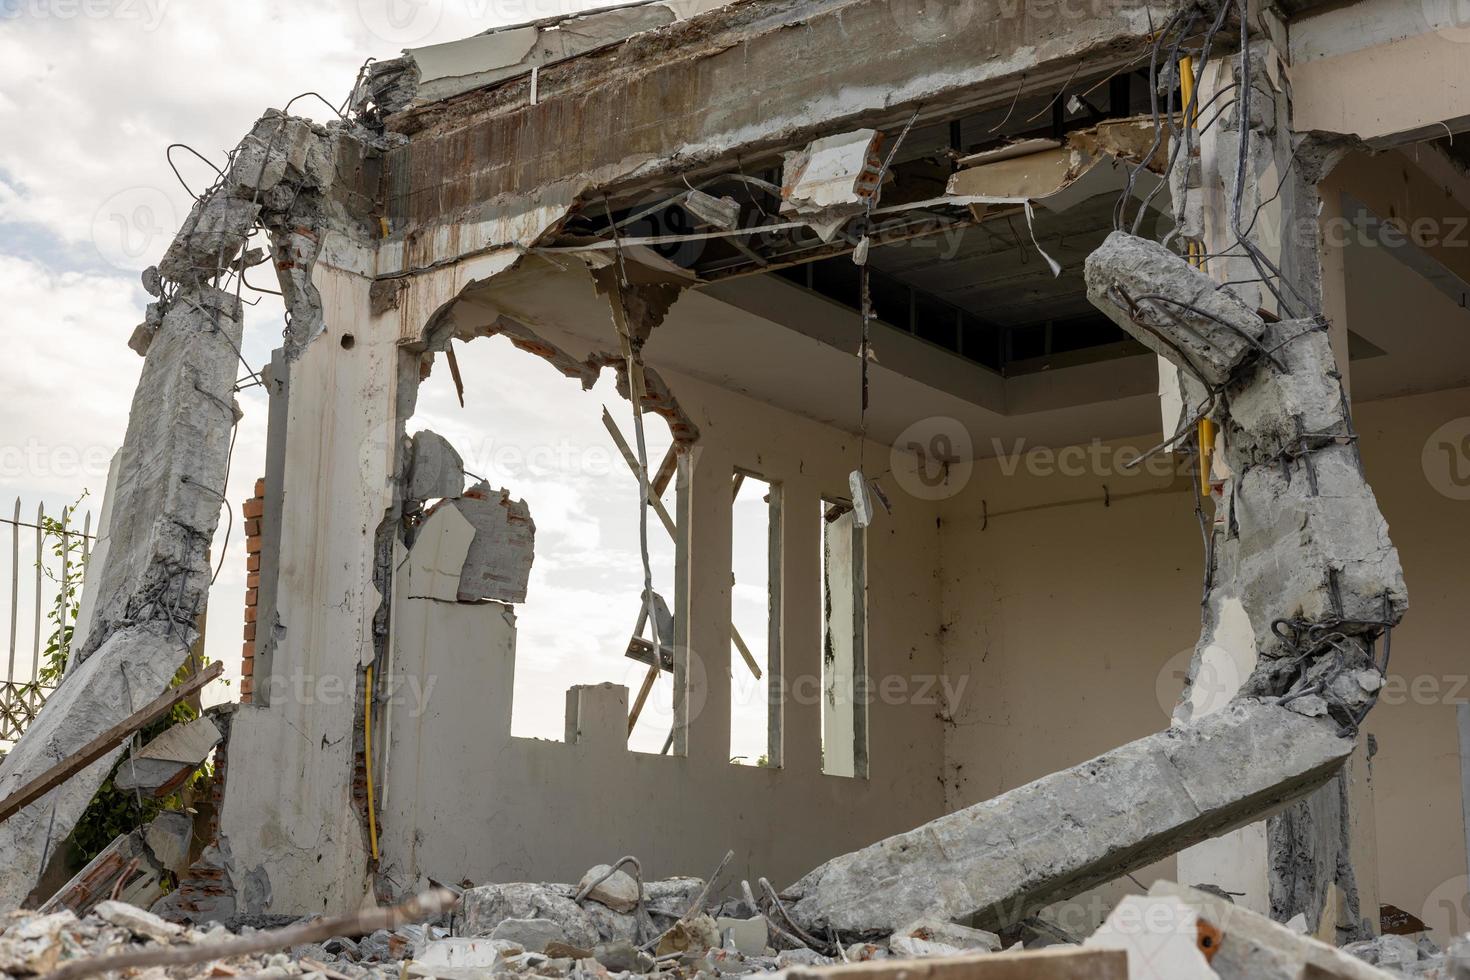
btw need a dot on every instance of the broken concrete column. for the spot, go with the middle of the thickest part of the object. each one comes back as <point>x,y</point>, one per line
<point>170,471</point>
<point>1052,839</point>
<point>147,590</point>
<point>128,671</point>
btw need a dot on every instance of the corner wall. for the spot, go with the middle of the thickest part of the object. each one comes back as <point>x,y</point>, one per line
<point>1076,623</point>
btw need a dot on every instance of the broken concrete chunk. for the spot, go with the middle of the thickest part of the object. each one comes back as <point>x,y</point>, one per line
<point>161,765</point>
<point>1161,935</point>
<point>936,937</point>
<point>1052,839</point>
<point>498,565</point>
<point>749,937</point>
<point>621,956</point>
<point>530,934</point>
<point>1173,308</point>
<point>488,906</point>
<point>436,559</point>
<point>34,945</point>
<point>168,837</point>
<point>832,179</point>
<point>1256,947</point>
<point>691,936</point>
<point>212,235</point>
<point>436,470</point>
<point>618,891</point>
<point>144,925</point>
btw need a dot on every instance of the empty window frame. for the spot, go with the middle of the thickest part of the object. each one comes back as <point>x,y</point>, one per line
<point>844,643</point>
<point>755,621</point>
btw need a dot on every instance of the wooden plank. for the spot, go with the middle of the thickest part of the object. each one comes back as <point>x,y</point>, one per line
<point>1070,963</point>
<point>105,742</point>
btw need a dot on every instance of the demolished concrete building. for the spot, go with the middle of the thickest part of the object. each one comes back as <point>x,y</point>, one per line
<point>734,207</point>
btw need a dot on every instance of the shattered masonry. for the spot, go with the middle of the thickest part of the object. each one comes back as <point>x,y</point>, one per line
<point>441,210</point>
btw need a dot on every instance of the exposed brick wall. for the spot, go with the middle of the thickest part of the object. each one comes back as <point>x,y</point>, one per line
<point>251,512</point>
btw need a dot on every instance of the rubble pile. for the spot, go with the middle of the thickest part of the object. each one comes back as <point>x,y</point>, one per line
<point>611,924</point>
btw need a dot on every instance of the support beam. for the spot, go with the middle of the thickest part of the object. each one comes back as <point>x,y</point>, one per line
<point>1001,860</point>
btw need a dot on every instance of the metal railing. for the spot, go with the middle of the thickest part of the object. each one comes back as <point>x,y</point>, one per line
<point>49,546</point>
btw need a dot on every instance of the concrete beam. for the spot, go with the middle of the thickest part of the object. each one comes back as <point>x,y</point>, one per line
<point>746,80</point>
<point>1053,839</point>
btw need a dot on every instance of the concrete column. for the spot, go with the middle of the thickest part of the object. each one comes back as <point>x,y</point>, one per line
<point>709,607</point>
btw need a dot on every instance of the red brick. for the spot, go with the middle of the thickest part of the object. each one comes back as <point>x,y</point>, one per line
<point>252,597</point>
<point>252,563</point>
<point>249,614</point>
<point>253,509</point>
<point>249,631</point>
<point>260,487</point>
<point>248,649</point>
<point>252,581</point>
<point>247,685</point>
<point>247,669</point>
<point>252,548</point>
<point>252,528</point>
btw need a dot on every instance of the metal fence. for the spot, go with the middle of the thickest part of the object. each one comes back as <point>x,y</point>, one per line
<point>44,555</point>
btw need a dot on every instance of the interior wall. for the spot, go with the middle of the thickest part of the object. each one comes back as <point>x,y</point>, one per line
<point>1075,625</point>
<point>521,809</point>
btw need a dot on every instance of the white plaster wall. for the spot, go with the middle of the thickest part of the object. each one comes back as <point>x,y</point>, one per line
<point>1075,625</point>
<point>464,799</point>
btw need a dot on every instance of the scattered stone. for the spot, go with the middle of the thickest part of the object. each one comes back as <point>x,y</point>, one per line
<point>618,891</point>
<point>691,935</point>
<point>533,935</point>
<point>621,956</point>
<point>747,936</point>
<point>143,924</point>
<point>461,953</point>
<point>1161,935</point>
<point>935,937</point>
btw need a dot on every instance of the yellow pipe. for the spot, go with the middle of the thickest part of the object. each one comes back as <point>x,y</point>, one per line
<point>367,752</point>
<point>1186,87</point>
<point>1207,433</point>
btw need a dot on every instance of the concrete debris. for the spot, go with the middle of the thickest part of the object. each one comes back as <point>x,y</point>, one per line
<point>1002,859</point>
<point>1160,935</point>
<point>615,889</point>
<point>585,925</point>
<point>531,934</point>
<point>134,867</point>
<point>1253,946</point>
<point>164,763</point>
<point>436,470</point>
<point>498,565</point>
<point>1172,308</point>
<point>832,179</point>
<point>936,937</point>
<point>749,937</point>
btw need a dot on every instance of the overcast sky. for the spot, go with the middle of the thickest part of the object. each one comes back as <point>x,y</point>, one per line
<point>92,92</point>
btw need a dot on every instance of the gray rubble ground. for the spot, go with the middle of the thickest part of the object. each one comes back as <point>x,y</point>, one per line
<point>1253,947</point>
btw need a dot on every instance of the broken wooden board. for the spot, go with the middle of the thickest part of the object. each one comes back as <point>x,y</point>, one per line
<point>1056,963</point>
